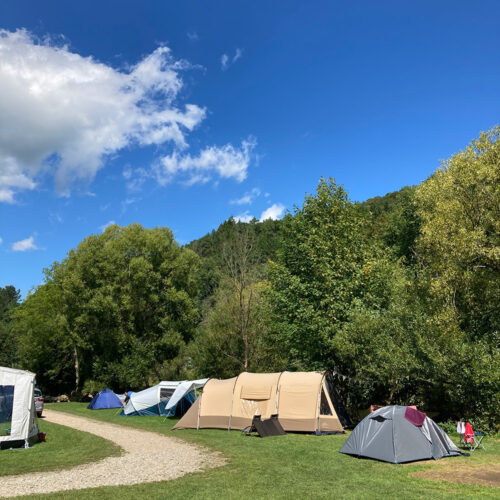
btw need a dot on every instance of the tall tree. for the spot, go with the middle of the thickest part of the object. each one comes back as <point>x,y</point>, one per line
<point>324,267</point>
<point>459,244</point>
<point>231,333</point>
<point>126,302</point>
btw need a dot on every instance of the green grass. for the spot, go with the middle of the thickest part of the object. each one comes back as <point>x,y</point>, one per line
<point>291,466</point>
<point>64,447</point>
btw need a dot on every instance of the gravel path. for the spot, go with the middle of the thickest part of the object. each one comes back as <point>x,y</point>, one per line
<point>147,457</point>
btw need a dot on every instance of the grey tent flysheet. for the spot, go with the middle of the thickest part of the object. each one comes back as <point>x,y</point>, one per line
<point>389,435</point>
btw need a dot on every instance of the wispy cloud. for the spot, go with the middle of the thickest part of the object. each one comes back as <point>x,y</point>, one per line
<point>274,212</point>
<point>1,240</point>
<point>127,202</point>
<point>193,36</point>
<point>25,245</point>
<point>247,198</point>
<point>55,218</point>
<point>135,178</point>
<point>226,61</point>
<point>105,226</point>
<point>226,162</point>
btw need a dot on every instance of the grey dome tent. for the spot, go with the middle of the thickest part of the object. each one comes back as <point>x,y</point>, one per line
<point>399,434</point>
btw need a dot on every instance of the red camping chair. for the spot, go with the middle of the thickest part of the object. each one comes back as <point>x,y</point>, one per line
<point>471,439</point>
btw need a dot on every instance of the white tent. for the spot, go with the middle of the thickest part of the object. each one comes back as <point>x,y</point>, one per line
<point>167,398</point>
<point>18,422</point>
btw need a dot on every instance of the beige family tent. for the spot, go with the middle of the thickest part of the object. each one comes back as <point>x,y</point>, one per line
<point>304,402</point>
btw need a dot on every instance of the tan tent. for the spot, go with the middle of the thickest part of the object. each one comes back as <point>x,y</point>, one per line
<point>304,402</point>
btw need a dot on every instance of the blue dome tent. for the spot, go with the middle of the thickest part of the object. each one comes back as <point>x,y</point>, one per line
<point>105,399</point>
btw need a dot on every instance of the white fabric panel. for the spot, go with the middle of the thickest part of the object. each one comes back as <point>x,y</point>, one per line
<point>183,388</point>
<point>23,423</point>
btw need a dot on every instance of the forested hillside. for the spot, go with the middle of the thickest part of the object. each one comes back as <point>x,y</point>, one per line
<point>398,295</point>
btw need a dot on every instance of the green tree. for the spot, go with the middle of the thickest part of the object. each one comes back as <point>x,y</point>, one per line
<point>126,306</point>
<point>323,269</point>
<point>395,222</point>
<point>459,245</point>
<point>9,299</point>
<point>459,256</point>
<point>230,338</point>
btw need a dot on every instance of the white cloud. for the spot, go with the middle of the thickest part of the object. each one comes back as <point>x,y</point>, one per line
<point>193,36</point>
<point>105,226</point>
<point>226,61</point>
<point>24,245</point>
<point>1,240</point>
<point>127,172</point>
<point>237,55</point>
<point>226,161</point>
<point>273,212</point>
<point>244,217</point>
<point>247,198</point>
<point>64,114</point>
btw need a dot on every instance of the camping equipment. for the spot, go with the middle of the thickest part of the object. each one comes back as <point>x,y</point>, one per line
<point>18,422</point>
<point>470,439</point>
<point>167,399</point>
<point>399,434</point>
<point>265,428</point>
<point>305,402</point>
<point>105,399</point>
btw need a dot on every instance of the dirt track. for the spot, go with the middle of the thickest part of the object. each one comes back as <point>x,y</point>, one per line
<point>147,457</point>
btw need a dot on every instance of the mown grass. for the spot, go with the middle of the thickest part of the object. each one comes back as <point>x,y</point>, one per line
<point>291,466</point>
<point>64,447</point>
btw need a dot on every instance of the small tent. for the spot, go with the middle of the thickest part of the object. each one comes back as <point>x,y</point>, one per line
<point>304,402</point>
<point>399,434</point>
<point>105,399</point>
<point>18,422</point>
<point>168,399</point>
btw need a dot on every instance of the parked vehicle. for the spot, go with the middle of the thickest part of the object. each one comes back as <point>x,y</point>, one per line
<point>39,399</point>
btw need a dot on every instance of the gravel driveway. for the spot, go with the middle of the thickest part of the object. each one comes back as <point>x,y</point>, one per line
<point>147,457</point>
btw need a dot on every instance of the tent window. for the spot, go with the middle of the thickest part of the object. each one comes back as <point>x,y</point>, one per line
<point>325,407</point>
<point>6,405</point>
<point>166,393</point>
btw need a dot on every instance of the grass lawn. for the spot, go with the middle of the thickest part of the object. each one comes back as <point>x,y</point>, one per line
<point>63,448</point>
<point>291,466</point>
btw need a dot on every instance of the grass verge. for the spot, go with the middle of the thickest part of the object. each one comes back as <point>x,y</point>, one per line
<point>64,447</point>
<point>302,466</point>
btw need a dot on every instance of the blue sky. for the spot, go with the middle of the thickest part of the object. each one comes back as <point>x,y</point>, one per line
<point>185,113</point>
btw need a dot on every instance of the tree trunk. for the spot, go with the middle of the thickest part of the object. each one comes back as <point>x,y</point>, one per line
<point>77,369</point>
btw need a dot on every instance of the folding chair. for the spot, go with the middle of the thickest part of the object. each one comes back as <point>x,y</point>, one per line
<point>473,440</point>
